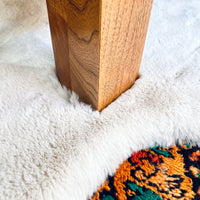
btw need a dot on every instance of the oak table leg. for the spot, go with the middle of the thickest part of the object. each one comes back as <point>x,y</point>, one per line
<point>98,45</point>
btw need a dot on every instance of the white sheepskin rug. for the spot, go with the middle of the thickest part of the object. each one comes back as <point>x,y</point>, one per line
<point>52,146</point>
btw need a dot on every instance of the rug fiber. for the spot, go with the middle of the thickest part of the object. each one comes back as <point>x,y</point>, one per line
<point>156,174</point>
<point>54,147</point>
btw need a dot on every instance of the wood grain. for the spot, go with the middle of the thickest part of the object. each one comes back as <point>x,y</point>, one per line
<point>98,45</point>
<point>124,26</point>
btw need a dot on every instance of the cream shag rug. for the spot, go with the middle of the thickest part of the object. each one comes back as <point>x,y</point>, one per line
<point>53,147</point>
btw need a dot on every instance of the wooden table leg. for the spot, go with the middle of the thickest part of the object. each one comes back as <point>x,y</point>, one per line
<point>98,45</point>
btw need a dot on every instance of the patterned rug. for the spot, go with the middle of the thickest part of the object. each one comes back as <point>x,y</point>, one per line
<point>155,174</point>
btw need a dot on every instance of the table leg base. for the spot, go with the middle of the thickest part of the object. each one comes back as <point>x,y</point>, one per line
<point>98,45</point>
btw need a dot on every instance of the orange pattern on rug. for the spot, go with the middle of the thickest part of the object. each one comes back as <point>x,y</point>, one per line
<point>156,174</point>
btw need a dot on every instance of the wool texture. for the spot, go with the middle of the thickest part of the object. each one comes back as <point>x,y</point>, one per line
<point>54,147</point>
<point>156,174</point>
